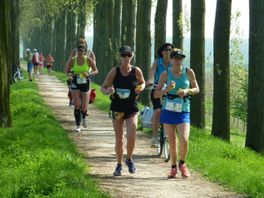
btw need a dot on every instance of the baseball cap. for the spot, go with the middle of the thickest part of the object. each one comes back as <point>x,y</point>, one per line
<point>126,49</point>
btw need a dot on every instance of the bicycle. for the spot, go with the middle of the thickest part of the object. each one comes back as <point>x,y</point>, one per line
<point>163,145</point>
<point>18,75</point>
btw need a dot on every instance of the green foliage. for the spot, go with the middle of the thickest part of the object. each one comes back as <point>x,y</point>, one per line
<point>238,72</point>
<point>37,157</point>
<point>184,22</point>
<point>37,13</point>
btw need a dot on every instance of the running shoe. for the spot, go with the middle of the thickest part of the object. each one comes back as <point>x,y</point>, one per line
<point>84,122</point>
<point>131,166</point>
<point>184,170</point>
<point>78,128</point>
<point>118,170</point>
<point>154,142</point>
<point>172,173</point>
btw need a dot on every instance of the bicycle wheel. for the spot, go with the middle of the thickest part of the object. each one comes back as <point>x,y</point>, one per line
<point>166,149</point>
<point>160,145</point>
<point>16,77</point>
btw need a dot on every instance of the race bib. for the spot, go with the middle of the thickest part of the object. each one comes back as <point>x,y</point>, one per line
<point>81,80</point>
<point>123,93</point>
<point>174,105</point>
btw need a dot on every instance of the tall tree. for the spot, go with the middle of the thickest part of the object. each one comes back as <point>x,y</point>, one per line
<point>160,24</point>
<point>197,60</point>
<point>60,30</point>
<point>14,12</point>
<point>255,116</point>
<point>128,22</point>
<point>116,31</point>
<point>5,116</point>
<point>221,95</point>
<point>102,39</point>
<point>82,19</point>
<point>70,31</point>
<point>143,41</point>
<point>177,24</point>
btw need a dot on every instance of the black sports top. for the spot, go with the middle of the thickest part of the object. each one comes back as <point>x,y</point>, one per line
<point>124,98</point>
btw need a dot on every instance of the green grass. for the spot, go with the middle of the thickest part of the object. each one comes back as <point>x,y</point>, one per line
<point>37,157</point>
<point>230,165</point>
<point>234,167</point>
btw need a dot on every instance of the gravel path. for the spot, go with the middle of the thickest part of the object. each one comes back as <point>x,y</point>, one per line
<point>96,143</point>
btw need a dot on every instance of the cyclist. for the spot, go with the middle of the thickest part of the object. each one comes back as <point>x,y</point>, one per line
<point>161,64</point>
<point>125,83</point>
<point>80,67</point>
<point>175,113</point>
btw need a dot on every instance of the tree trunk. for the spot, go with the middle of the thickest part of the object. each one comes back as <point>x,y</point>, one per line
<point>255,115</point>
<point>128,23</point>
<point>102,39</point>
<point>5,115</point>
<point>197,61</point>
<point>14,13</point>
<point>160,24</point>
<point>60,42</point>
<point>71,33</point>
<point>82,19</point>
<point>116,32</point>
<point>177,39</point>
<point>143,41</point>
<point>221,95</point>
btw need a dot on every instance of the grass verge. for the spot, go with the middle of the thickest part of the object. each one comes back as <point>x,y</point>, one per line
<point>37,157</point>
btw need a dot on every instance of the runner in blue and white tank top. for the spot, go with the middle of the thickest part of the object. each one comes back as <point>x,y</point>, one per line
<point>160,65</point>
<point>175,115</point>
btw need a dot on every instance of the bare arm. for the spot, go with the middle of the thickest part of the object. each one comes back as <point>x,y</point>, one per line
<point>152,73</point>
<point>162,81</point>
<point>72,54</point>
<point>93,66</point>
<point>141,81</point>
<point>194,85</point>
<point>69,66</point>
<point>92,56</point>
<point>107,86</point>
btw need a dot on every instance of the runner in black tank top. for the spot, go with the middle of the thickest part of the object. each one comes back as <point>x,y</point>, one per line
<point>121,85</point>
<point>124,83</point>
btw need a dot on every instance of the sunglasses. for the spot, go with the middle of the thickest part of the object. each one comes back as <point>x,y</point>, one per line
<point>167,49</point>
<point>126,55</point>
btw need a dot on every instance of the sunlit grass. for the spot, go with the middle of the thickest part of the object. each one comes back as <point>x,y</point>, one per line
<point>37,157</point>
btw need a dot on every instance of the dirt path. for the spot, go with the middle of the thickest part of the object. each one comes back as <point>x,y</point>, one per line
<point>97,145</point>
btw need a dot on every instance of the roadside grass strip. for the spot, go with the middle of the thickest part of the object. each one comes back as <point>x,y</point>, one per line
<point>38,159</point>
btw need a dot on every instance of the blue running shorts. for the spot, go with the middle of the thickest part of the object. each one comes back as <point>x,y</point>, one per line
<point>171,117</point>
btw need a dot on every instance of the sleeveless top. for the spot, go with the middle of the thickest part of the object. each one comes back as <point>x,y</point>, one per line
<point>124,98</point>
<point>181,82</point>
<point>79,69</point>
<point>160,68</point>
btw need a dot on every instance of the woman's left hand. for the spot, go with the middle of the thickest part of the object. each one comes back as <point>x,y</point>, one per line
<point>182,92</point>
